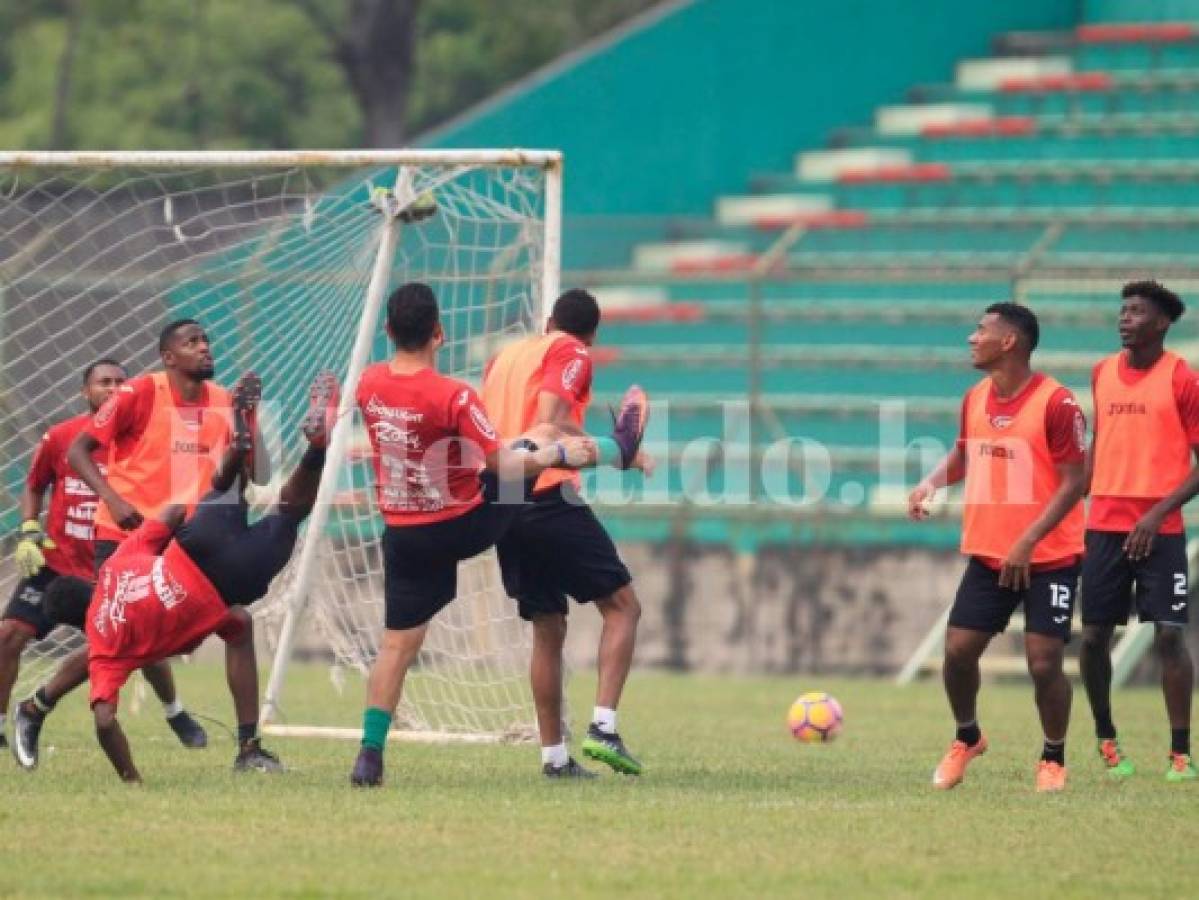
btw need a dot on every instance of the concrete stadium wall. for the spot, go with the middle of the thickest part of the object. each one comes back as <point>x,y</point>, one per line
<point>692,98</point>
<point>800,610</point>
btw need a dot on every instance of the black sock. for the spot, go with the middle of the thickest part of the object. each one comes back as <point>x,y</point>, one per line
<point>1105,728</point>
<point>969,734</point>
<point>41,702</point>
<point>1054,751</point>
<point>313,459</point>
<point>247,732</point>
<point>1180,741</point>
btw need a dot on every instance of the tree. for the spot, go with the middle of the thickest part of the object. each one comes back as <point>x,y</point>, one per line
<point>375,46</point>
<point>173,74</point>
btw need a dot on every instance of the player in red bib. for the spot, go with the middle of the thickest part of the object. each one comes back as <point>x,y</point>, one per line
<point>173,582</point>
<point>447,489</point>
<point>1021,454</point>
<point>1143,470</point>
<point>65,546</point>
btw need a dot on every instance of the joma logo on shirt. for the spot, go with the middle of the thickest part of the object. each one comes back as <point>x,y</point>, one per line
<point>1125,409</point>
<point>998,451</point>
<point>190,447</point>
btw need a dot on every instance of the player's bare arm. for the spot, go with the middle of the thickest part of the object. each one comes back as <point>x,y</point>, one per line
<point>949,471</point>
<point>112,739</point>
<point>1017,568</point>
<point>79,455</point>
<point>1139,543</point>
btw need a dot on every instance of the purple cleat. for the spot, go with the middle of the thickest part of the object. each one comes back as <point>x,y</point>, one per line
<point>628,424</point>
<point>368,768</point>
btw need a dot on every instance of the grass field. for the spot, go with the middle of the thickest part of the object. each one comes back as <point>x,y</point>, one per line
<point>730,806</point>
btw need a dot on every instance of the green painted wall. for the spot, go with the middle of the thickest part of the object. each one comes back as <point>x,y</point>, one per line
<point>673,114</point>
<point>1142,10</point>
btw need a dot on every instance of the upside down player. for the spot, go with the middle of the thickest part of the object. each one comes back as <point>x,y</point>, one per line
<point>556,546</point>
<point>163,435</point>
<point>65,548</point>
<point>173,582</point>
<point>1021,453</point>
<point>447,490</point>
<point>1146,432</point>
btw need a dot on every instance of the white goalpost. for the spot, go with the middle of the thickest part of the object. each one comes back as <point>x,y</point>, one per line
<point>287,259</point>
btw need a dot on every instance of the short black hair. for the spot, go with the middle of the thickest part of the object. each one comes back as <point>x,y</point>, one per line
<point>576,312</point>
<point>67,599</point>
<point>1167,302</point>
<point>1021,318</point>
<point>168,332</point>
<point>104,361</point>
<point>412,315</point>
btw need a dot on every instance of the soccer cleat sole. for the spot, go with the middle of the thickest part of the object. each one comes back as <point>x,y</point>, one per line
<point>613,760</point>
<point>318,422</point>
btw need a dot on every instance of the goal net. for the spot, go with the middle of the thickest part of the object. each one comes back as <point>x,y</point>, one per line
<point>286,259</point>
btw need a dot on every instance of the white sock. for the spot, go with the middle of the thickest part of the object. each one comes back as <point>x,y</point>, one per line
<point>556,755</point>
<point>605,719</point>
<point>3,719</point>
<point>172,709</point>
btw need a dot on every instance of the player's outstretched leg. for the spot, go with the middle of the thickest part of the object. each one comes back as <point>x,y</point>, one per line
<point>30,714</point>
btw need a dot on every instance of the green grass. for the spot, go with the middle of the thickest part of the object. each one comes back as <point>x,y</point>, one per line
<point>730,806</point>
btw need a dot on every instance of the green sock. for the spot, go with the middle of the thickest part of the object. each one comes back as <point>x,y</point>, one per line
<point>608,451</point>
<point>375,724</point>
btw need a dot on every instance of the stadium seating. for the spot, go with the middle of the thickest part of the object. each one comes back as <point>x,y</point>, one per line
<point>826,293</point>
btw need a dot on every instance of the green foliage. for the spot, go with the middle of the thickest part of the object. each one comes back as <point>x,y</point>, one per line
<point>163,74</point>
<point>730,806</point>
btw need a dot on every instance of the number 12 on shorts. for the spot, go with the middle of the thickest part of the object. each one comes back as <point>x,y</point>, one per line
<point>1059,596</point>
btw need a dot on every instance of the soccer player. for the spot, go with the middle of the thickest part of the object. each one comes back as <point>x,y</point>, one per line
<point>65,547</point>
<point>556,546</point>
<point>1146,432</point>
<point>174,581</point>
<point>163,434</point>
<point>431,439</point>
<point>1021,452</point>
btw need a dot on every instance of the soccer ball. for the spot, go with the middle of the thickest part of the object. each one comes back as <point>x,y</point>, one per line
<point>815,718</point>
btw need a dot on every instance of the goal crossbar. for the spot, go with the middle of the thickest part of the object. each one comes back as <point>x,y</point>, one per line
<point>152,159</point>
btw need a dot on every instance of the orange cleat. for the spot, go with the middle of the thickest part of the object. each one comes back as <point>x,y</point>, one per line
<point>1051,777</point>
<point>952,768</point>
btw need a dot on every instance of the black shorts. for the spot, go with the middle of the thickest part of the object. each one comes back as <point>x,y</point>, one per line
<point>1110,580</point>
<point>558,548</point>
<point>239,559</point>
<point>420,562</point>
<point>102,550</point>
<point>26,604</point>
<point>982,605</point>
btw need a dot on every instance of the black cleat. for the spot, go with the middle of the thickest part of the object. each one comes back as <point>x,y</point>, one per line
<point>26,728</point>
<point>368,768</point>
<point>190,733</point>
<point>3,741</point>
<point>609,748</point>
<point>571,770</point>
<point>252,758</point>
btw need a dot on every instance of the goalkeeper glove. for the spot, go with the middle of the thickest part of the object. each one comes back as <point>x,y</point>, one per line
<point>29,548</point>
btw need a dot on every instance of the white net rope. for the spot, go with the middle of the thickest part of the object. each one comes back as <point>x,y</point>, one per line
<point>275,264</point>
